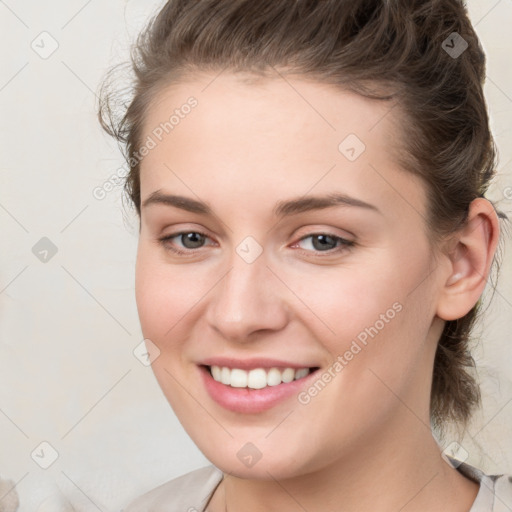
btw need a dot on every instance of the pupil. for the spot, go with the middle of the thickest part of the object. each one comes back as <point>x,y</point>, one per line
<point>323,245</point>
<point>194,238</point>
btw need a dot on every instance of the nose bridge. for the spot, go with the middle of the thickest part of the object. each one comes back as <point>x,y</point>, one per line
<point>247,298</point>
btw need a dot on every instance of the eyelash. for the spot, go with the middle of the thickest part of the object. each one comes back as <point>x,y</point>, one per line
<point>345,244</point>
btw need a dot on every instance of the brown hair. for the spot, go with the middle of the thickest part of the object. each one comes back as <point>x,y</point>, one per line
<point>400,50</point>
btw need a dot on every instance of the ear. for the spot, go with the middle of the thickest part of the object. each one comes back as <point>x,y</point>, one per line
<point>469,261</point>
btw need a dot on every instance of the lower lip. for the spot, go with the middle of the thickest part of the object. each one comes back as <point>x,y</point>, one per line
<point>246,400</point>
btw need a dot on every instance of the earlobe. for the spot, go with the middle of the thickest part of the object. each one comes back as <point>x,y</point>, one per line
<point>469,262</point>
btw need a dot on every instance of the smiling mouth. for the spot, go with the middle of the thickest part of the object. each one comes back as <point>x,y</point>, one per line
<point>257,378</point>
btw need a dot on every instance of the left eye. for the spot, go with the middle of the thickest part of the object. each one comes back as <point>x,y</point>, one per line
<point>323,242</point>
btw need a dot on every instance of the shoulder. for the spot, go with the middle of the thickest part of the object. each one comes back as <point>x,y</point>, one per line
<point>495,493</point>
<point>189,492</point>
<point>502,493</point>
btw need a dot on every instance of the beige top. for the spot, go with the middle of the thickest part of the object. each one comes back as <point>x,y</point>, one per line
<point>192,491</point>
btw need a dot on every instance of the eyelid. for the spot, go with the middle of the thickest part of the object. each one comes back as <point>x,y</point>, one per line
<point>325,233</point>
<point>186,229</point>
<point>345,245</point>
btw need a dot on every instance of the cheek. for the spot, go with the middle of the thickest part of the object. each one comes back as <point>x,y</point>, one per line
<point>164,295</point>
<point>383,342</point>
<point>375,314</point>
<point>346,300</point>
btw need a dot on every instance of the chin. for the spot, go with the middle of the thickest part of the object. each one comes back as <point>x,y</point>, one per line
<point>248,462</point>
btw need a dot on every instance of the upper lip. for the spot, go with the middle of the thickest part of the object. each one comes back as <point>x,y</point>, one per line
<point>251,364</point>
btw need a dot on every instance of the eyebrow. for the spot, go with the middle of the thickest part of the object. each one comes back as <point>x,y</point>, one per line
<point>281,209</point>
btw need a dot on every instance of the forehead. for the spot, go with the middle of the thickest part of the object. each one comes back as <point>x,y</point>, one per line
<point>292,107</point>
<point>254,134</point>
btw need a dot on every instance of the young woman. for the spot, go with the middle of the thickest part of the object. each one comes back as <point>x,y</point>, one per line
<point>310,179</point>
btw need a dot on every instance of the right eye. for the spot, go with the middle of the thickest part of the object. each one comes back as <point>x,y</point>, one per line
<point>190,241</point>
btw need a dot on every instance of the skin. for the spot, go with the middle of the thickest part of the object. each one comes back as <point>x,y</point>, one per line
<point>248,144</point>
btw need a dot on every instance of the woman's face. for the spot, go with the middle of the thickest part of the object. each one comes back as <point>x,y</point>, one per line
<point>269,276</point>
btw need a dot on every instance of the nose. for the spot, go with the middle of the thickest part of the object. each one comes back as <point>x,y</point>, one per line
<point>247,300</point>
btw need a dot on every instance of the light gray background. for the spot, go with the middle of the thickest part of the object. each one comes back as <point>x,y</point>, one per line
<point>68,326</point>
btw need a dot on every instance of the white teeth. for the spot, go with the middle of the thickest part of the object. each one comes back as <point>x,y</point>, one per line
<point>273,377</point>
<point>238,378</point>
<point>288,375</point>
<point>301,373</point>
<point>225,376</point>
<point>217,373</point>
<point>258,378</point>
